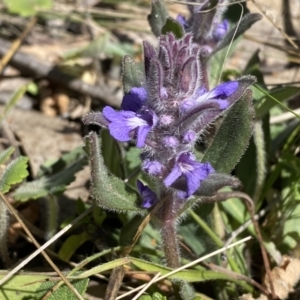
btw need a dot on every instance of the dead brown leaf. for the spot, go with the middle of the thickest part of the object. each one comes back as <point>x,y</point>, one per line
<point>285,277</point>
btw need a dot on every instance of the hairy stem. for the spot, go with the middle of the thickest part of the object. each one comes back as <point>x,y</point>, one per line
<point>169,236</point>
<point>170,245</point>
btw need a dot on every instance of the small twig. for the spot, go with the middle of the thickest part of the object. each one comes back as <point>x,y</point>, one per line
<point>278,47</point>
<point>237,276</point>
<point>250,206</point>
<point>16,44</point>
<point>222,196</point>
<point>30,65</point>
<point>243,227</point>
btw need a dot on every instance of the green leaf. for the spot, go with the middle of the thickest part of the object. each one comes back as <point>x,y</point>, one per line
<point>111,154</point>
<point>281,94</point>
<point>71,244</point>
<point>133,158</point>
<point>104,267</point>
<point>232,138</point>
<point>54,184</point>
<point>21,287</point>
<point>209,187</point>
<point>14,173</point>
<point>158,16</point>
<point>186,275</point>
<point>108,191</point>
<point>13,101</point>
<point>6,154</point>
<point>174,27</point>
<point>101,44</point>
<point>133,76</point>
<point>27,8</point>
<point>63,292</point>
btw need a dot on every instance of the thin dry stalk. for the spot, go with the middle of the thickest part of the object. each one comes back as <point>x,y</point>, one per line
<point>49,260</point>
<point>16,44</point>
<point>273,21</point>
<point>41,248</point>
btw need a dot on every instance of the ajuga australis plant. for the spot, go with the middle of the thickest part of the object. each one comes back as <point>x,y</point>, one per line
<point>167,108</point>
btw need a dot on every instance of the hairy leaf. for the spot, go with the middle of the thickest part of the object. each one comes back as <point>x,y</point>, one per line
<point>158,16</point>
<point>108,191</point>
<point>14,173</point>
<point>54,184</point>
<point>21,287</point>
<point>232,138</point>
<point>63,292</point>
<point>133,75</point>
<point>174,27</point>
<point>6,154</point>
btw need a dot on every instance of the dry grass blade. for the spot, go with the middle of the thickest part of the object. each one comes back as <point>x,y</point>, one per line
<point>46,256</point>
<point>16,44</point>
<point>146,286</point>
<point>40,248</point>
<point>272,20</point>
<point>195,262</point>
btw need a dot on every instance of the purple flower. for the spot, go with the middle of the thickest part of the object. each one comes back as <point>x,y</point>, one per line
<point>122,123</point>
<point>134,100</point>
<point>193,171</point>
<point>182,20</point>
<point>221,30</point>
<point>217,95</point>
<point>149,198</point>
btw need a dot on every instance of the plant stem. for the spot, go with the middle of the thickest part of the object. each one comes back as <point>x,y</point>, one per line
<point>170,242</point>
<point>168,234</point>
